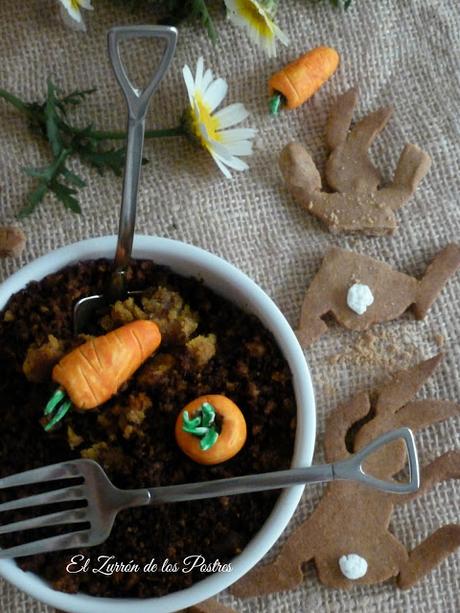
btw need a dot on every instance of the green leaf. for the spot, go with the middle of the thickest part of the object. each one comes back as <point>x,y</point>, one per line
<point>49,120</point>
<point>15,101</point>
<point>208,414</point>
<point>190,423</point>
<point>37,173</point>
<point>52,120</point>
<point>66,195</point>
<point>77,96</point>
<point>73,178</point>
<point>112,159</point>
<point>200,10</point>
<point>208,439</point>
<point>33,200</point>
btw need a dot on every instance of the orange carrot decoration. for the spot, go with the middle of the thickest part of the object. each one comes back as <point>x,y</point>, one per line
<point>93,372</point>
<point>211,429</point>
<point>299,80</point>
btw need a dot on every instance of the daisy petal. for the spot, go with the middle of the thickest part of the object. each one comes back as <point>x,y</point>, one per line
<point>72,19</point>
<point>199,73</point>
<point>222,166</point>
<point>215,93</point>
<point>206,80</point>
<point>235,163</point>
<point>220,150</point>
<point>256,17</point>
<point>189,83</point>
<point>236,134</point>
<point>243,147</point>
<point>231,115</point>
<point>280,35</point>
<point>210,129</point>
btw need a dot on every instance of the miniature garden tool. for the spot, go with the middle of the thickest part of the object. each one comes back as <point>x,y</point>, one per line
<point>104,500</point>
<point>138,102</point>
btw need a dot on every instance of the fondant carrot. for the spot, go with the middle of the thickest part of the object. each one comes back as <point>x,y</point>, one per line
<point>93,372</point>
<point>211,429</point>
<point>299,80</point>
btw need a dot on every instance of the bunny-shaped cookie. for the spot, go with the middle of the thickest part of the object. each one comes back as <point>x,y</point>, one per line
<point>358,204</point>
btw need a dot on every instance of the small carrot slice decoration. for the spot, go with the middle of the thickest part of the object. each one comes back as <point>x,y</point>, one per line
<point>93,372</point>
<point>299,80</point>
<point>211,429</point>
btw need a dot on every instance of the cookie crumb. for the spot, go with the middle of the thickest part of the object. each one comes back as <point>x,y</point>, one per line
<point>388,349</point>
<point>12,242</point>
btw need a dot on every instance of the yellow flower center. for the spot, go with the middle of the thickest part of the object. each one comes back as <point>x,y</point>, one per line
<point>255,17</point>
<point>205,118</point>
<point>75,4</point>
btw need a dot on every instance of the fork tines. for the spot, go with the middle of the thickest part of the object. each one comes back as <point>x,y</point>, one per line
<point>55,472</point>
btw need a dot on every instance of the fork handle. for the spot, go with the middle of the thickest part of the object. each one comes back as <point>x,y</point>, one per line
<point>349,469</point>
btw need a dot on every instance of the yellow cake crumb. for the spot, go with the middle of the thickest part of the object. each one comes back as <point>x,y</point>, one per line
<point>74,439</point>
<point>202,349</point>
<point>39,361</point>
<point>109,457</point>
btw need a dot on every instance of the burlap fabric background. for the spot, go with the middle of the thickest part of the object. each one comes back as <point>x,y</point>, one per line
<point>397,51</point>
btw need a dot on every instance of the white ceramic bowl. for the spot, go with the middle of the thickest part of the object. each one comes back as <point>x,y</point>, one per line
<point>231,283</point>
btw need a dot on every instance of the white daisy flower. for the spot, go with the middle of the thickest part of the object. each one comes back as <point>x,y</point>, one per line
<point>210,128</point>
<point>71,13</point>
<point>257,18</point>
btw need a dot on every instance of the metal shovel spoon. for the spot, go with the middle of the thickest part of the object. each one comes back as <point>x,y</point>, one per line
<point>138,103</point>
<point>104,500</point>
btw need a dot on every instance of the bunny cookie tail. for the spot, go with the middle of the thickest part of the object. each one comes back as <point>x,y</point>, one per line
<point>444,265</point>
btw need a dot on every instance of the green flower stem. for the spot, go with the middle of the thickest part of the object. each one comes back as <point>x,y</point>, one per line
<point>97,135</point>
<point>166,133</point>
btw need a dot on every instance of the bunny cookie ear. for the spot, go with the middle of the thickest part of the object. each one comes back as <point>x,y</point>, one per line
<point>340,118</point>
<point>403,385</point>
<point>299,172</point>
<point>413,165</point>
<point>349,168</point>
<point>339,423</point>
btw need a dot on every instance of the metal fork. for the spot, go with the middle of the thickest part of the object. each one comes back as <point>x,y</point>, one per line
<point>104,500</point>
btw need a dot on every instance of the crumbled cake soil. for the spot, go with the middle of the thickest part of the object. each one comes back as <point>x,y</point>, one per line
<point>132,435</point>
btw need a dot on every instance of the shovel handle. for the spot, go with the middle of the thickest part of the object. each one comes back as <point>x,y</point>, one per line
<point>349,470</point>
<point>138,103</point>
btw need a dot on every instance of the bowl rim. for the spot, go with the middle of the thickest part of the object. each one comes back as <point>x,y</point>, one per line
<point>204,263</point>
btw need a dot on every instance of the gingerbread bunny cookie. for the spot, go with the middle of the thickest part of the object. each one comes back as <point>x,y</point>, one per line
<point>348,535</point>
<point>358,203</point>
<point>360,291</point>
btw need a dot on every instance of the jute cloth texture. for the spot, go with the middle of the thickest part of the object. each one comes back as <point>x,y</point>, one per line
<point>399,52</point>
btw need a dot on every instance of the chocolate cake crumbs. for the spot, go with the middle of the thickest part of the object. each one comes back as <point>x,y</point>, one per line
<point>132,435</point>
